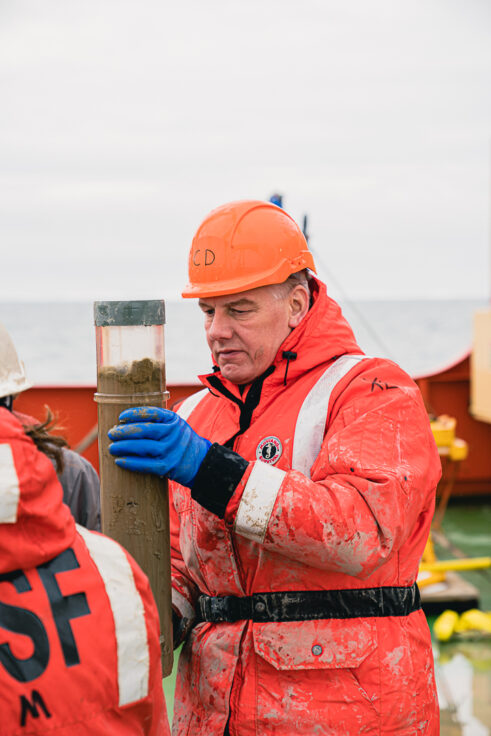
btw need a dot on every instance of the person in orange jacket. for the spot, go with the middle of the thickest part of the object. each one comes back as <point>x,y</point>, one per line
<point>304,479</point>
<point>79,629</point>
<point>78,478</point>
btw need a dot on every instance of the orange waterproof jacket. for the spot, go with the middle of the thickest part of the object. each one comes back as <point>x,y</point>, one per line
<point>79,631</point>
<point>337,495</point>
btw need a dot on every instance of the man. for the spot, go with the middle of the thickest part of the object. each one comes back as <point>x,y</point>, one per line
<point>304,480</point>
<point>78,478</point>
<point>79,629</point>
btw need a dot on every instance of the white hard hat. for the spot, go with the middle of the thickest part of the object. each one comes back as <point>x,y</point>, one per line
<point>12,375</point>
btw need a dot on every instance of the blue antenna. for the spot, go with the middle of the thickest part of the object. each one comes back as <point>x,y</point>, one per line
<point>277,199</point>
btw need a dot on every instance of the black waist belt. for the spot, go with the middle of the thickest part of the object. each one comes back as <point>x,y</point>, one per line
<point>306,605</point>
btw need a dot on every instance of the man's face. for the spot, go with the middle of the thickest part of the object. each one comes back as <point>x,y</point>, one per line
<point>245,330</point>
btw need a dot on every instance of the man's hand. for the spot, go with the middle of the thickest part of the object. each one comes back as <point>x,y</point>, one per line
<point>158,441</point>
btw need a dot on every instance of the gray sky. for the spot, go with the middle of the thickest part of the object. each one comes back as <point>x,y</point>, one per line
<point>123,123</point>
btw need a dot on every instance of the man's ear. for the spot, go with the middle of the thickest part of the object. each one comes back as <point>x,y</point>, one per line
<point>298,302</point>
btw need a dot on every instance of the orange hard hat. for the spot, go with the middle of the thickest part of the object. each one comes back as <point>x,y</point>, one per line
<point>243,245</point>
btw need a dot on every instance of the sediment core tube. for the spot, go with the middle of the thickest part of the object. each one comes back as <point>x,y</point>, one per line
<point>134,506</point>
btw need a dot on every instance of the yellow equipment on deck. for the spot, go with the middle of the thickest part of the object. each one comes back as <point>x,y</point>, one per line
<point>472,623</point>
<point>452,451</point>
<point>441,586</point>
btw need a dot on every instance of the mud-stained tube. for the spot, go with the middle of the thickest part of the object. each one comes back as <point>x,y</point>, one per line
<point>134,506</point>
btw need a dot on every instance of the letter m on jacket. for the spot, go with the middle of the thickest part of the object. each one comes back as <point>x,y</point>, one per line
<point>31,707</point>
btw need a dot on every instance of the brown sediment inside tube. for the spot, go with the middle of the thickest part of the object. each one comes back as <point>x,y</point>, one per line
<point>139,377</point>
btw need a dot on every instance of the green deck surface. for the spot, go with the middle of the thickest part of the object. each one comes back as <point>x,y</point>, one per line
<point>169,684</point>
<point>463,668</point>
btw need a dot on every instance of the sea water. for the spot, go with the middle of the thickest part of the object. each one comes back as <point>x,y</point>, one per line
<point>56,340</point>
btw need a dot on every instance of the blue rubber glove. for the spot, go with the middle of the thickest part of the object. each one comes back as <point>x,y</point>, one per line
<point>158,441</point>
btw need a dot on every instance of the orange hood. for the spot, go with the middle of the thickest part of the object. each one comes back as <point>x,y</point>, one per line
<point>35,525</point>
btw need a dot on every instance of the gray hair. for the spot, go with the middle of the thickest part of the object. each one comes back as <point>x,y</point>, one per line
<point>300,278</point>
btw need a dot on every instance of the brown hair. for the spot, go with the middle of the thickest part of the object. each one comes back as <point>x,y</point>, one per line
<point>50,444</point>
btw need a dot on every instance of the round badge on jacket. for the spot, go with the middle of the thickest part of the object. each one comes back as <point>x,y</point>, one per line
<point>269,450</point>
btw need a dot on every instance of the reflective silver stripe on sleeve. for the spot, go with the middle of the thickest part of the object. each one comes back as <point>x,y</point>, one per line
<point>128,613</point>
<point>9,486</point>
<point>258,500</point>
<point>312,417</point>
<point>190,403</point>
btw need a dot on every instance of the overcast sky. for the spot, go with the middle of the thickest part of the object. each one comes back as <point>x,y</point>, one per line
<point>124,122</point>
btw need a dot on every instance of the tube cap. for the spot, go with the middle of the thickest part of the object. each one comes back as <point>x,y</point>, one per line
<point>121,314</point>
